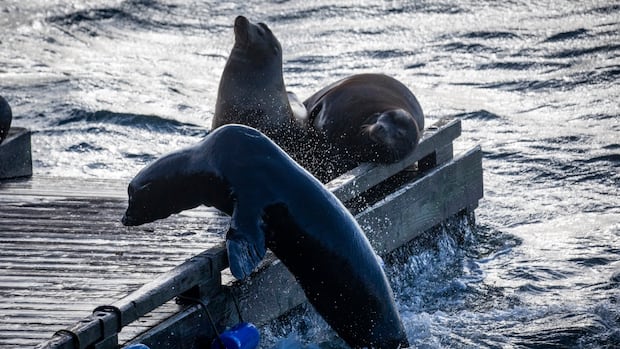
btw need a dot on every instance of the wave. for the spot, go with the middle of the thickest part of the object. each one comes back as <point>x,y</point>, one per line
<point>613,159</point>
<point>569,35</point>
<point>383,54</point>
<point>323,12</point>
<point>514,65</point>
<point>607,9</point>
<point>577,52</point>
<point>83,147</point>
<point>599,76</point>
<point>430,7</point>
<point>556,330</point>
<point>136,13</point>
<point>469,48</point>
<point>146,122</point>
<point>490,35</point>
<point>483,115</point>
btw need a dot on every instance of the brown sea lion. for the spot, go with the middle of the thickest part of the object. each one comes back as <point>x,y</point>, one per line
<point>367,118</point>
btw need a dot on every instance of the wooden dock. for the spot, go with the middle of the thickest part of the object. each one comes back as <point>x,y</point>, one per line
<point>65,252</point>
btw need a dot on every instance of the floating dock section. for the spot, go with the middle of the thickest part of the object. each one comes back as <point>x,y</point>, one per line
<point>393,204</point>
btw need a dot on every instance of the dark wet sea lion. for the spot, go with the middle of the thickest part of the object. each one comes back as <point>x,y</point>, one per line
<point>6,116</point>
<point>368,118</point>
<point>276,204</point>
<point>252,91</point>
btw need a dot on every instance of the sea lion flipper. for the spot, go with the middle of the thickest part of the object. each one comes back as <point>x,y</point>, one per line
<point>245,242</point>
<point>300,113</point>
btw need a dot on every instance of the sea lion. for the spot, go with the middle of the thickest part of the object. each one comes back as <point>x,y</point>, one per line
<point>367,118</point>
<point>252,91</point>
<point>276,204</point>
<point>6,116</point>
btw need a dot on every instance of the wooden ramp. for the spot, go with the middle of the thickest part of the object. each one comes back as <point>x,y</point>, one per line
<point>103,261</point>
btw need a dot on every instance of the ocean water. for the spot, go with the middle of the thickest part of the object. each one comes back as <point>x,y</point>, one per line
<point>107,86</point>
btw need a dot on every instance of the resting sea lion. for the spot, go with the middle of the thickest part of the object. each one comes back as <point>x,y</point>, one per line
<point>367,118</point>
<point>276,204</point>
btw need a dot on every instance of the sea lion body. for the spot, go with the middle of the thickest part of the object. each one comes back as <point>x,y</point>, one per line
<point>276,204</point>
<point>252,91</point>
<point>367,118</point>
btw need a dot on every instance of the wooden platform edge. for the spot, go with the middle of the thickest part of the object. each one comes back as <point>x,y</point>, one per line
<point>435,148</point>
<point>16,154</point>
<point>440,194</point>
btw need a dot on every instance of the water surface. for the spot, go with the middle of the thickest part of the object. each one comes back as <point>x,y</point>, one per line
<point>107,86</point>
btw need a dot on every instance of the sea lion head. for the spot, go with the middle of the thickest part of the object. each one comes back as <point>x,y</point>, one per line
<point>256,41</point>
<point>394,134</point>
<point>164,187</point>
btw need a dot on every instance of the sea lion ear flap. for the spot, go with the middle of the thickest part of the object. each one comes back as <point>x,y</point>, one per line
<point>245,242</point>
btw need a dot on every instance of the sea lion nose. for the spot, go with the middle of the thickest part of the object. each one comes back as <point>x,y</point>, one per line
<point>127,220</point>
<point>241,28</point>
<point>241,21</point>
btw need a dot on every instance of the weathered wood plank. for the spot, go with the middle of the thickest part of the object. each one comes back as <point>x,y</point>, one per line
<point>435,197</point>
<point>195,271</point>
<point>365,176</point>
<point>62,254</point>
<point>44,188</point>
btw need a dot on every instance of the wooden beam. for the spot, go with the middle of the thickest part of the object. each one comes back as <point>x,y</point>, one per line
<point>16,154</point>
<point>417,206</point>
<point>366,176</point>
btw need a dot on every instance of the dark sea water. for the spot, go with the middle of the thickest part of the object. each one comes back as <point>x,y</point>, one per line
<point>107,86</point>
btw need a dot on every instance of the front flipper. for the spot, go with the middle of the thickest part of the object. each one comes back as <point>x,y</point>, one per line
<point>245,242</point>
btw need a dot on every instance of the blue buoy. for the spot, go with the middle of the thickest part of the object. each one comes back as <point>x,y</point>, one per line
<point>137,346</point>
<point>241,336</point>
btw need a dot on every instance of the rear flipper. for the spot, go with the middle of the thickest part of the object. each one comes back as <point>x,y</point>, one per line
<point>245,242</point>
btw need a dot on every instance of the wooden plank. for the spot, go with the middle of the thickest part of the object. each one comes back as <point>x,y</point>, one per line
<point>190,274</point>
<point>365,176</point>
<point>411,210</point>
<point>43,188</point>
<point>204,266</point>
